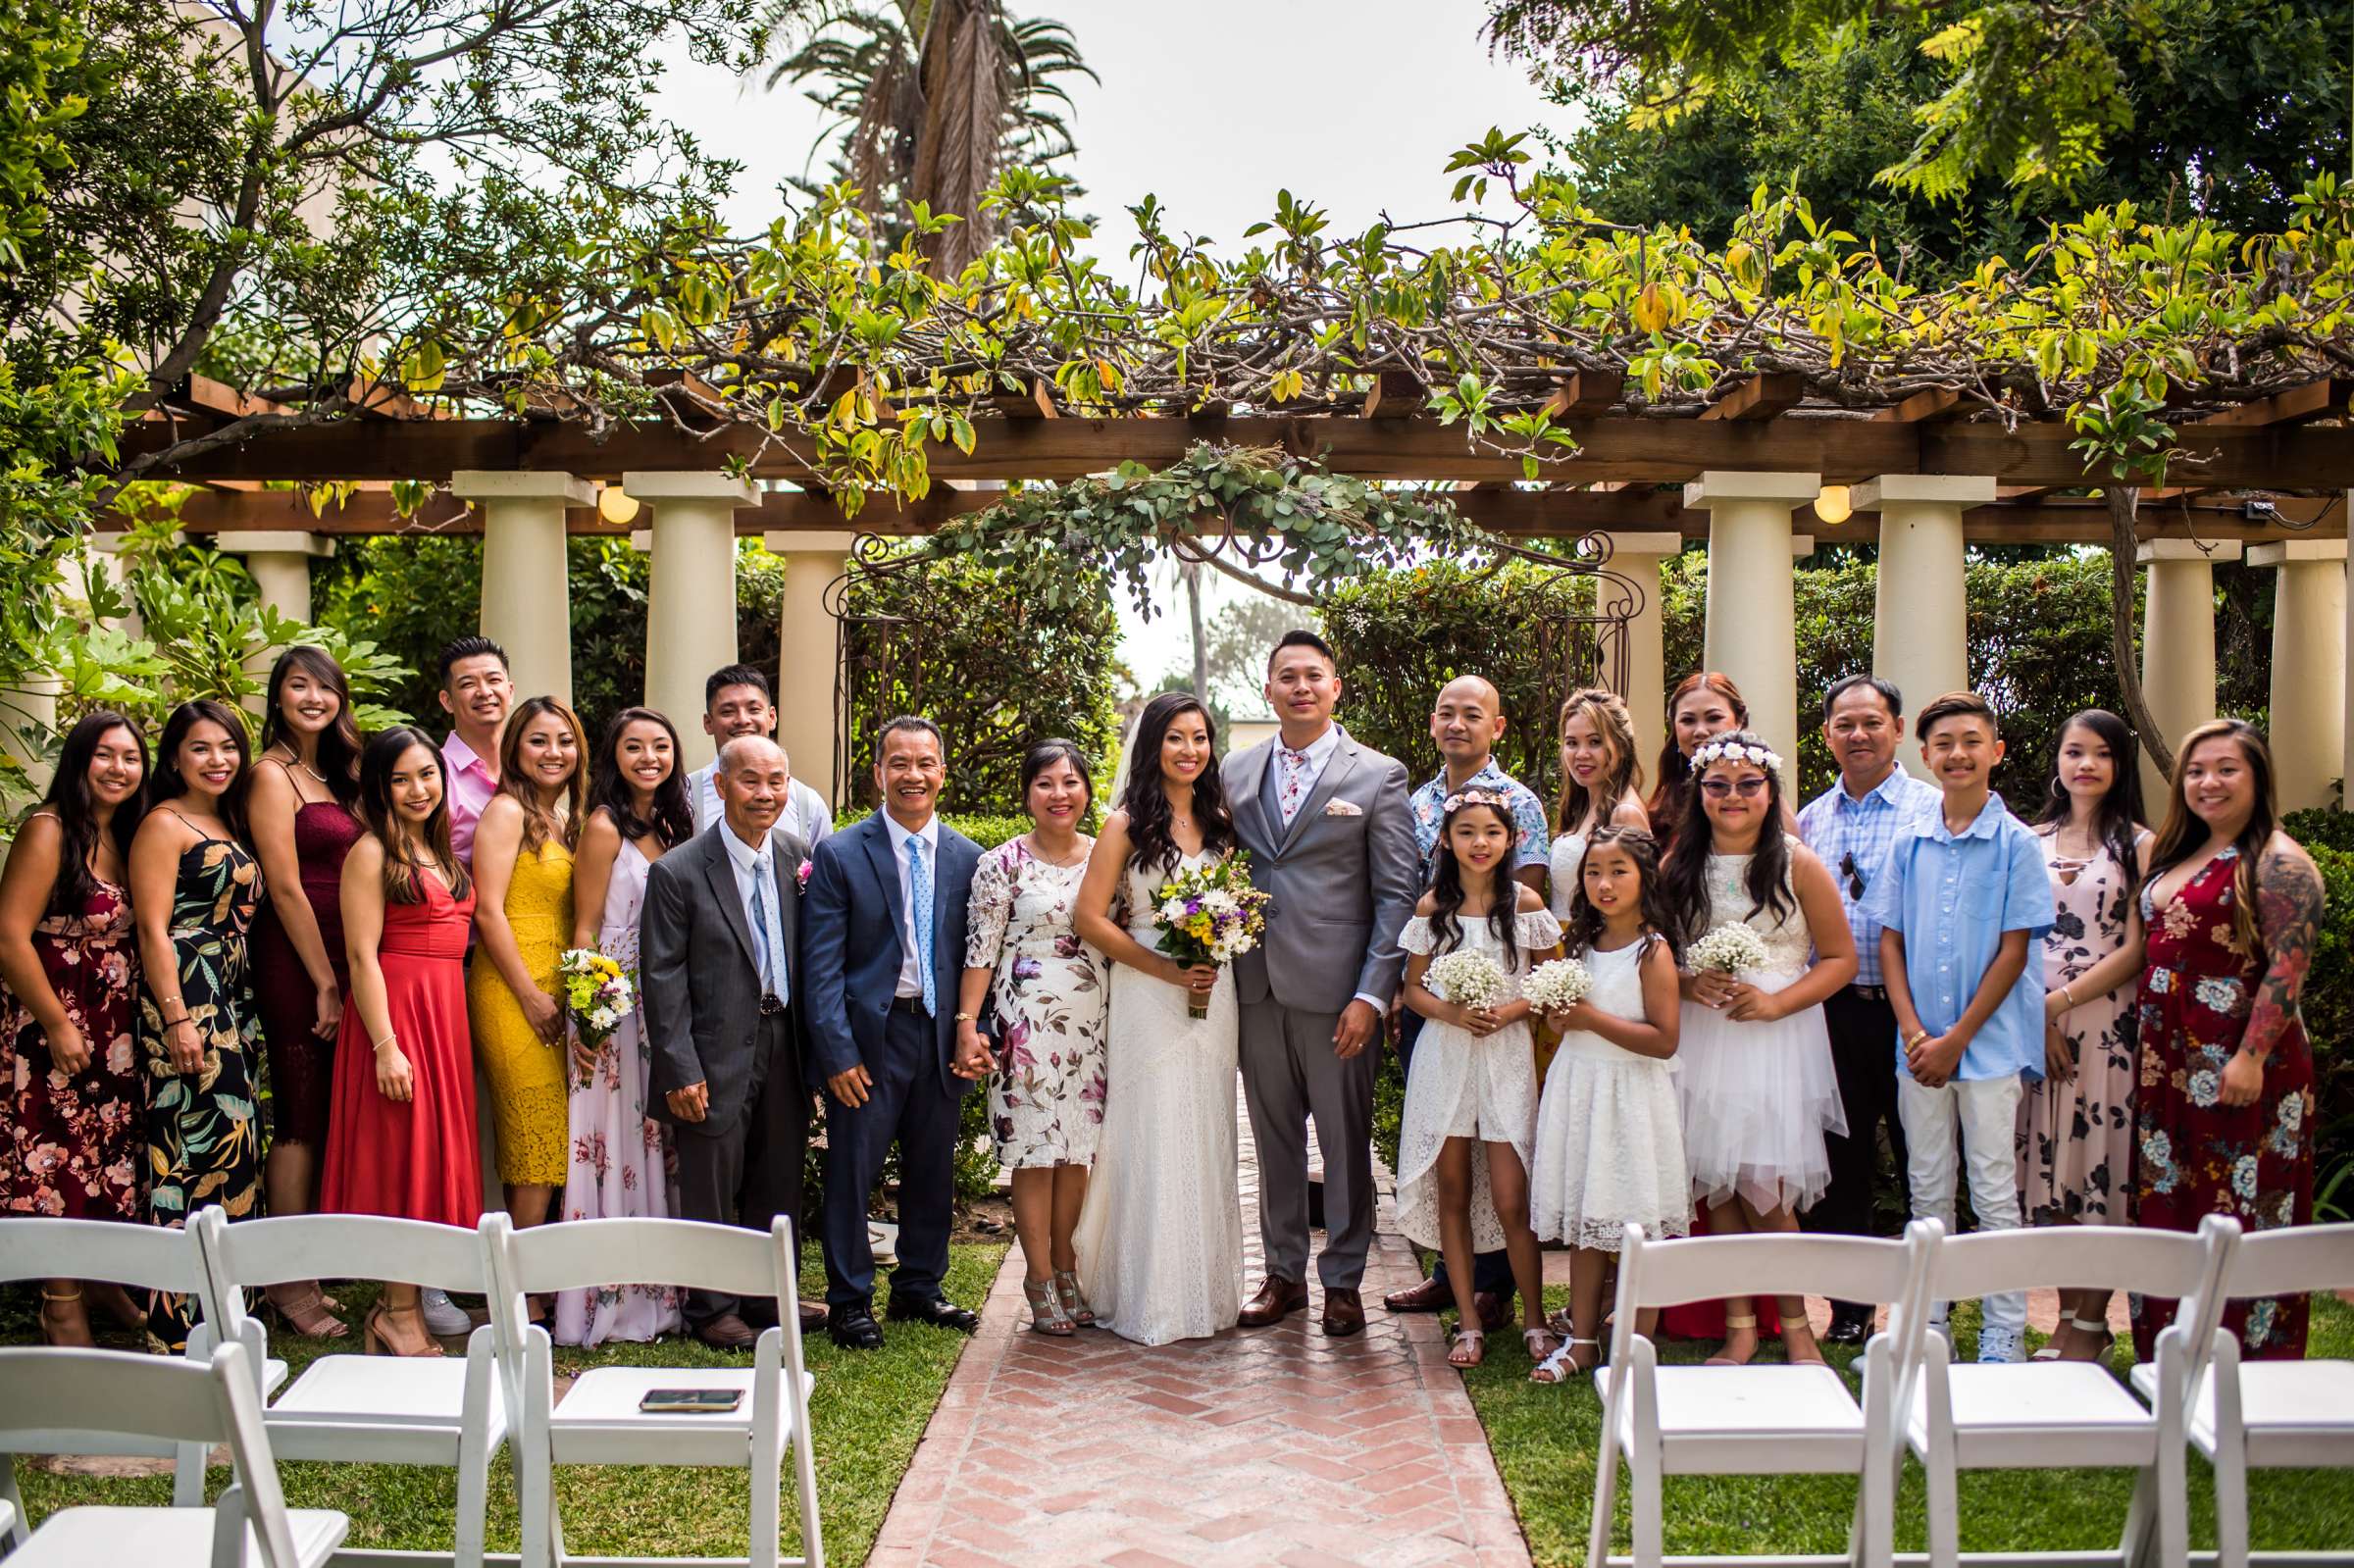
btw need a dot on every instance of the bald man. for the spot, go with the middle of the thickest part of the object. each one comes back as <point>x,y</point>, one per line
<point>1466,722</point>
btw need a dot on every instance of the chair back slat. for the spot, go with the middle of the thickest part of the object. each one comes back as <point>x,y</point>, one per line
<point>2070,1257</point>
<point>146,1257</point>
<point>580,1253</point>
<point>2291,1261</point>
<point>114,1391</point>
<point>1705,1268</point>
<point>347,1246</point>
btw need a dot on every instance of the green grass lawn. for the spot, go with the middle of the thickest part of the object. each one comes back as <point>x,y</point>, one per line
<point>868,1412</point>
<point>1544,1441</point>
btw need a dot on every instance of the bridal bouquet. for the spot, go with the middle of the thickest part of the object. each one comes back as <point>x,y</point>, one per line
<point>1211,915</point>
<point>1558,984</point>
<point>1467,978</point>
<point>597,993</point>
<point>1729,950</point>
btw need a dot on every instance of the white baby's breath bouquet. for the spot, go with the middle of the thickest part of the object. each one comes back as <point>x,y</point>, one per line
<point>1467,978</point>
<point>1558,984</point>
<point>1729,949</point>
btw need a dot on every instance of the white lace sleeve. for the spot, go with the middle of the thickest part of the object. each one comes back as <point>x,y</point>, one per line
<point>1538,929</point>
<point>991,907</point>
<point>1416,938</point>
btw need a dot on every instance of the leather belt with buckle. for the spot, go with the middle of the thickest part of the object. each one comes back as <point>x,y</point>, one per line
<point>1871,993</point>
<point>910,1004</point>
<point>771,1004</point>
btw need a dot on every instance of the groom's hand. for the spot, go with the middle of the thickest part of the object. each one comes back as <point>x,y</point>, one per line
<point>1360,1021</point>
<point>850,1087</point>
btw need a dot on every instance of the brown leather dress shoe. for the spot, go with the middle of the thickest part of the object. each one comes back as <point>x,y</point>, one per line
<point>813,1316</point>
<point>1344,1313</point>
<point>1431,1296</point>
<point>727,1331</point>
<point>1491,1310</point>
<point>1276,1300</point>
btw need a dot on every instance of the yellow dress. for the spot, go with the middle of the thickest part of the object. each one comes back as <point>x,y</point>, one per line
<point>530,1095</point>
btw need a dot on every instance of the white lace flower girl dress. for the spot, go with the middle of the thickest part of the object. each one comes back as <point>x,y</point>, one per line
<point>1610,1132</point>
<point>1465,1087</point>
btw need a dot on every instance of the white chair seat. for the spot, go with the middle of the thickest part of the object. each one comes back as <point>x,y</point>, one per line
<point>1808,1410</point>
<point>2296,1413</point>
<point>163,1538</point>
<point>412,1410</point>
<point>598,1416</point>
<point>2039,1415</point>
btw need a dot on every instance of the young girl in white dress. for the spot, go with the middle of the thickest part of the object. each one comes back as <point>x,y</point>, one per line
<point>1609,1133</point>
<point>1602,786</point>
<point>1471,1117</point>
<point>1756,1083</point>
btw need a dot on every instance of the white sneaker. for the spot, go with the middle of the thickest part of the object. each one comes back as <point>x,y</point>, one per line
<point>445,1318</point>
<point>1999,1346</point>
<point>884,1241</point>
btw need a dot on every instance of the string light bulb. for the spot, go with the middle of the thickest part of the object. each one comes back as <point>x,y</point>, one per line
<point>1832,505</point>
<point>616,505</point>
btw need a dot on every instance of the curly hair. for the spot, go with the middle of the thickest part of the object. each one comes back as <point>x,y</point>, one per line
<point>1616,728</point>
<point>1146,799</point>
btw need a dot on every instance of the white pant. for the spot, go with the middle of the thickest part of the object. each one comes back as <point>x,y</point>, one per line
<point>1986,1110</point>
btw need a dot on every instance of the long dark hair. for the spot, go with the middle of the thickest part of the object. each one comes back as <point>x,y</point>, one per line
<point>169,786</point>
<point>1585,925</point>
<point>1608,711</point>
<point>539,826</point>
<point>1666,802</point>
<point>611,791</point>
<point>2119,810</point>
<point>69,797</point>
<point>1447,884</point>
<point>1147,803</point>
<point>404,881</point>
<point>338,759</point>
<point>1685,872</point>
<point>2183,832</point>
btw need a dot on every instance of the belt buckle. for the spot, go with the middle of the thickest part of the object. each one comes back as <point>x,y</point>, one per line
<point>769,1004</point>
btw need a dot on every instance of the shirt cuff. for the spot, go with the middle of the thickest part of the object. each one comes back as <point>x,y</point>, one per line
<point>1374,1002</point>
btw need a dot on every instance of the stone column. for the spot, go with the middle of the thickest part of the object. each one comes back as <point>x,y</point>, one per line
<point>280,565</point>
<point>1751,632</point>
<point>690,609</point>
<point>2178,640</point>
<point>1921,620</point>
<point>1639,557</point>
<point>527,591</point>
<point>2308,731</point>
<point>808,655</point>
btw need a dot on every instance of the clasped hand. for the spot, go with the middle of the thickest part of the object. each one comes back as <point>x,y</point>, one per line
<point>1736,1000</point>
<point>1481,1022</point>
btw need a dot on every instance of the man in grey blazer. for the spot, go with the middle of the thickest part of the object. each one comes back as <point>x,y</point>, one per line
<point>1327,823</point>
<point>724,1012</point>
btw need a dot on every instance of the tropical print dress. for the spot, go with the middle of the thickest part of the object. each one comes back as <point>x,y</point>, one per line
<point>2195,1156</point>
<point>71,1146</point>
<point>1046,1100</point>
<point>203,1140</point>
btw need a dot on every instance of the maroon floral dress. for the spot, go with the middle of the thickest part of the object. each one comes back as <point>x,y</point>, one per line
<point>71,1146</point>
<point>2194,1155</point>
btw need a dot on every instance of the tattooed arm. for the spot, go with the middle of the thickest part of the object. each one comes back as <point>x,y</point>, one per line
<point>2289,909</point>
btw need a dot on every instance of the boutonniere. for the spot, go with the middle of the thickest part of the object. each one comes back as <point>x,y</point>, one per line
<point>800,876</point>
<point>1342,808</point>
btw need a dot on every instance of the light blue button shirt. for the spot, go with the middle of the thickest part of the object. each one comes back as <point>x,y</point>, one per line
<point>1952,897</point>
<point>1837,826</point>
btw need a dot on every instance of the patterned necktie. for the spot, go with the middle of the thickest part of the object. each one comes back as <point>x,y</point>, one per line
<point>1293,790</point>
<point>768,980</point>
<point>919,915</point>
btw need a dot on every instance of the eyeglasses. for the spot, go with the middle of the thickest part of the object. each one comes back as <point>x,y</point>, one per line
<point>1754,785</point>
<point>1854,876</point>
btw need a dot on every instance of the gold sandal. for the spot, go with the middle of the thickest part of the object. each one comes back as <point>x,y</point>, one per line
<point>63,1339</point>
<point>1732,1324</point>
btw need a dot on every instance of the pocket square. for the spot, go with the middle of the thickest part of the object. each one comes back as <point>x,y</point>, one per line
<point>1342,808</point>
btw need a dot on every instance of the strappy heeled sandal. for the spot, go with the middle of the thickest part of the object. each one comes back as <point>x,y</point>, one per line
<point>58,1335</point>
<point>1811,1356</point>
<point>1074,1305</point>
<point>1563,1364</point>
<point>303,1307</point>
<point>1046,1315</point>
<point>375,1340</point>
<point>1467,1348</point>
<point>1732,1326</point>
<point>2099,1328</point>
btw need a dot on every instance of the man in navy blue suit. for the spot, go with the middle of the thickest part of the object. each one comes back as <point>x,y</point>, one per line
<point>882,954</point>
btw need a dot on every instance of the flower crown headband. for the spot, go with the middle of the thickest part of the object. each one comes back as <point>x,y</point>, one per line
<point>1715,751</point>
<point>1473,797</point>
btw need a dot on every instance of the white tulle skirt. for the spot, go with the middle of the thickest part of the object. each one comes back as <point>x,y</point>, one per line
<point>1758,1098</point>
<point>1609,1147</point>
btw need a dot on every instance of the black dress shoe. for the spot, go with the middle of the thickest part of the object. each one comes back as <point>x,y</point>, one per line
<point>938,1311</point>
<point>1848,1328</point>
<point>854,1328</point>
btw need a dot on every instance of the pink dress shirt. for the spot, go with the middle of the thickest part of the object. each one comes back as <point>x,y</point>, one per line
<point>469,787</point>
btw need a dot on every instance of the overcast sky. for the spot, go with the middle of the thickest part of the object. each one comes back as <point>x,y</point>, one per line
<point>1213,107</point>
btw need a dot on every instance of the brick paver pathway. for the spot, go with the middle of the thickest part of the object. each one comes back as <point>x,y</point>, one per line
<point>1260,1447</point>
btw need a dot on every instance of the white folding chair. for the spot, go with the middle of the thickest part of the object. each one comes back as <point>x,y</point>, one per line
<point>1766,1419</point>
<point>139,1257</point>
<point>2044,1415</point>
<point>184,1403</point>
<point>600,1421</point>
<point>2266,1415</point>
<point>421,1410</point>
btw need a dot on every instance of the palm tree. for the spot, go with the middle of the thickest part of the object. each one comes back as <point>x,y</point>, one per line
<point>931,99</point>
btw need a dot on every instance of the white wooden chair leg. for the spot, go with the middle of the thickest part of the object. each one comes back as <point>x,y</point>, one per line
<point>1945,1514</point>
<point>188,1474</point>
<point>768,1477</point>
<point>2232,1507</point>
<point>2141,1521</point>
<point>20,1528</point>
<point>1874,1530</point>
<point>804,1480</point>
<point>474,1496</point>
<point>2173,1506</point>
<point>1648,1506</point>
<point>1606,1500</point>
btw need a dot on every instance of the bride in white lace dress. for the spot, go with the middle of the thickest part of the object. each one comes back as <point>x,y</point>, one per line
<point>1160,1241</point>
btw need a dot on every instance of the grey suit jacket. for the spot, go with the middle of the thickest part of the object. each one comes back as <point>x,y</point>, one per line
<point>700,980</point>
<point>1345,878</point>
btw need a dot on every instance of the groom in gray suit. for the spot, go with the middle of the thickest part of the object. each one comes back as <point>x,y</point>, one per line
<point>1325,821</point>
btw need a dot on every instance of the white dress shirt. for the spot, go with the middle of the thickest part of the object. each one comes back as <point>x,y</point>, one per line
<point>911,974</point>
<point>1318,753</point>
<point>754,864</point>
<point>805,816</point>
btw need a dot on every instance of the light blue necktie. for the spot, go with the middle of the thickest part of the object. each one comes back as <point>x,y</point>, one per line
<point>919,889</point>
<point>773,978</point>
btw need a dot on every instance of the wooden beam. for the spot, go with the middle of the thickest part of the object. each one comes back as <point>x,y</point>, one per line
<point>1761,397</point>
<point>1588,394</point>
<point>1393,395</point>
<point>1038,403</point>
<point>209,396</point>
<point>1936,403</point>
<point>2312,401</point>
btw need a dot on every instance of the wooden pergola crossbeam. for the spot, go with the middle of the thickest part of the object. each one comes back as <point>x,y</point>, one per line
<point>1758,399</point>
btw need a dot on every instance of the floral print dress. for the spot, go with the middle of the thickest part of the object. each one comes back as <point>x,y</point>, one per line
<point>203,1140</point>
<point>2075,1138</point>
<point>71,1146</point>
<point>2197,1156</point>
<point>1045,1098</point>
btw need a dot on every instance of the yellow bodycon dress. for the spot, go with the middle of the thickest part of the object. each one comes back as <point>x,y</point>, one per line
<point>530,1095</point>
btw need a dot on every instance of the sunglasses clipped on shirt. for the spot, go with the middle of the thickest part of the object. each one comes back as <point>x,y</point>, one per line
<point>1854,876</point>
<point>1750,786</point>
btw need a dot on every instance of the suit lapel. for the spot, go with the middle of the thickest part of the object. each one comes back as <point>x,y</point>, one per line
<point>719,871</point>
<point>887,871</point>
<point>1342,761</point>
<point>1246,799</point>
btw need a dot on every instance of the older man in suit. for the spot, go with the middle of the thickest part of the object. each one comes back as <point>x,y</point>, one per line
<point>883,948</point>
<point>725,1014</point>
<point>1326,823</point>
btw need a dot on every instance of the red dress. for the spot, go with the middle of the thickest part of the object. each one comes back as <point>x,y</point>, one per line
<point>303,1066</point>
<point>75,1146</point>
<point>2194,1155</point>
<point>416,1161</point>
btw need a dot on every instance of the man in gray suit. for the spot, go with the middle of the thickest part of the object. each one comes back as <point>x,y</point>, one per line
<point>719,966</point>
<point>1327,823</point>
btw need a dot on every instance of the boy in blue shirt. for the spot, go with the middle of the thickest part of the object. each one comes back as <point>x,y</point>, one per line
<point>1961,902</point>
